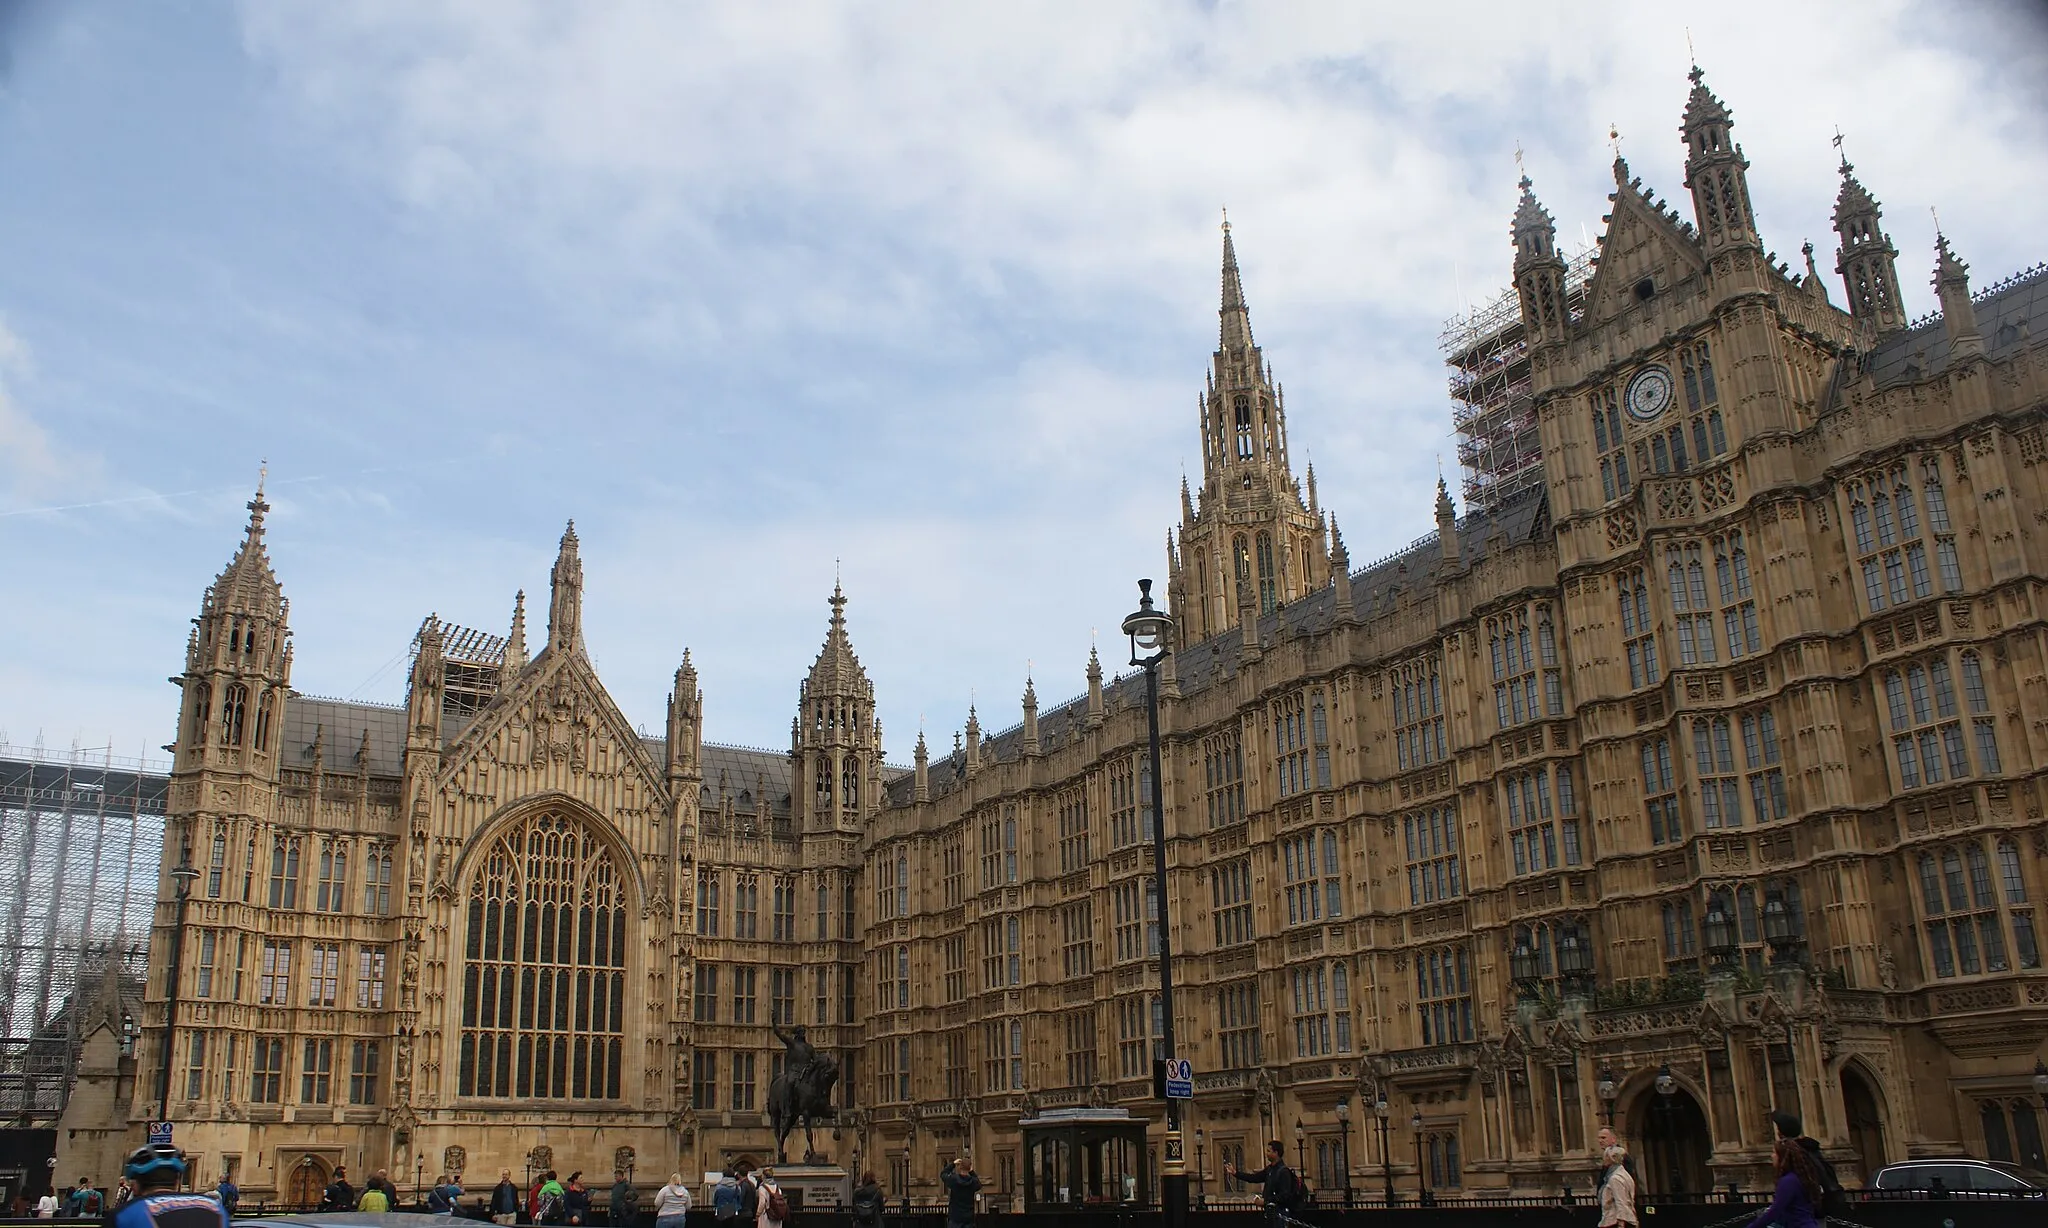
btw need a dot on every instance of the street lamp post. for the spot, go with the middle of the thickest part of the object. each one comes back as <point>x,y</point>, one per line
<point>1300,1146</point>
<point>419,1180</point>
<point>1151,633</point>
<point>1344,1146</point>
<point>1607,1091</point>
<point>1421,1172</point>
<point>1201,1171</point>
<point>1667,1087</point>
<point>1381,1111</point>
<point>182,877</point>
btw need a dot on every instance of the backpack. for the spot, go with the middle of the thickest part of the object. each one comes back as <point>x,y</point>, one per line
<point>1833,1200</point>
<point>550,1210</point>
<point>725,1200</point>
<point>867,1205</point>
<point>778,1206</point>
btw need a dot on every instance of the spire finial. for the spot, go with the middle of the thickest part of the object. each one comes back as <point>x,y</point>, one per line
<point>1840,152</point>
<point>1614,138</point>
<point>262,476</point>
<point>1936,215</point>
<point>1692,55</point>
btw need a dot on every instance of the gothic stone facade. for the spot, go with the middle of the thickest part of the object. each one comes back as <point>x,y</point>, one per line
<point>1713,758</point>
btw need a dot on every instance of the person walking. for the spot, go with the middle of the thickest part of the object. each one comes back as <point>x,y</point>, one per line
<point>445,1197</point>
<point>1831,1202</point>
<point>83,1201</point>
<point>1796,1197</point>
<point>1608,1139</point>
<point>672,1202</point>
<point>229,1193</point>
<point>374,1200</point>
<point>867,1203</point>
<point>504,1202</point>
<point>771,1207</point>
<point>1617,1191</point>
<point>1283,1188</point>
<point>46,1206</point>
<point>151,1176</point>
<point>962,1185</point>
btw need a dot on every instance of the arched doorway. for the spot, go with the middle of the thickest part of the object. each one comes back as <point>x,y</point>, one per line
<point>307,1183</point>
<point>1866,1120</point>
<point>1675,1142</point>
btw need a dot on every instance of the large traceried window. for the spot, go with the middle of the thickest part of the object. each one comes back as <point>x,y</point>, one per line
<point>1926,724</point>
<point>1639,630</point>
<point>1418,712</point>
<point>1737,594</point>
<point>1893,543</point>
<point>1685,574</point>
<point>544,989</point>
<point>1222,780</point>
<point>1970,907</point>
<point>1430,841</point>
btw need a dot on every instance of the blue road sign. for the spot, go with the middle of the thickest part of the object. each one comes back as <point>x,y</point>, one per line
<point>1180,1079</point>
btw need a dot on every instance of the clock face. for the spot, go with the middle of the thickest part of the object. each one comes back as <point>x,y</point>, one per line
<point>1649,393</point>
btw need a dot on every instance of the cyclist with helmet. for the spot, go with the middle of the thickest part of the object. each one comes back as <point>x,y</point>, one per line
<point>153,1175</point>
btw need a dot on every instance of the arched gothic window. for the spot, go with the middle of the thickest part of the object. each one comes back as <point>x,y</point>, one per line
<point>1269,591</point>
<point>266,708</point>
<point>234,707</point>
<point>202,707</point>
<point>1246,447</point>
<point>544,986</point>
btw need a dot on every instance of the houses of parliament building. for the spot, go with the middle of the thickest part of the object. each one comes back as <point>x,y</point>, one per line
<point>1697,779</point>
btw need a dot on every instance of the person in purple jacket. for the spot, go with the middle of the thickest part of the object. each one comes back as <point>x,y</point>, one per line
<point>1798,1189</point>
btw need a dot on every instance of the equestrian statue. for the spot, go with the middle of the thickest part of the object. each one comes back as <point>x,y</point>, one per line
<point>802,1093</point>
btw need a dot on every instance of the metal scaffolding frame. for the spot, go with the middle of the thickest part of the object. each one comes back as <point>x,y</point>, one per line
<point>1495,415</point>
<point>81,835</point>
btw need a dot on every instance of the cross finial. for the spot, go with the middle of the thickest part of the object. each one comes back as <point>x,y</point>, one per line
<point>262,476</point>
<point>1691,54</point>
<point>1937,220</point>
<point>1614,137</point>
<point>1226,219</point>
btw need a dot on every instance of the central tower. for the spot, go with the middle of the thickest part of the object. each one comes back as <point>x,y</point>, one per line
<point>1251,543</point>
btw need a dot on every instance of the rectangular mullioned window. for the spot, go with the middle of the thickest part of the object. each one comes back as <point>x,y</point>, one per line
<point>1418,703</point>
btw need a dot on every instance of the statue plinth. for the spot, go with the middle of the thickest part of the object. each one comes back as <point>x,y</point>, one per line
<point>817,1186</point>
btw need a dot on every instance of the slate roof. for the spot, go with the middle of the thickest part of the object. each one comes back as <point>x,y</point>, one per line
<point>2006,311</point>
<point>1525,517</point>
<point>341,723</point>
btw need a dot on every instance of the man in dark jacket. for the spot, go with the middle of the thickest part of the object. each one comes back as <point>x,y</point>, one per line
<point>1282,1184</point>
<point>1608,1138</point>
<point>504,1199</point>
<point>624,1208</point>
<point>340,1195</point>
<point>961,1186</point>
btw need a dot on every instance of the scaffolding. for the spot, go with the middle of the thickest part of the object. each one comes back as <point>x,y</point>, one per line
<point>80,839</point>
<point>471,664</point>
<point>1499,449</point>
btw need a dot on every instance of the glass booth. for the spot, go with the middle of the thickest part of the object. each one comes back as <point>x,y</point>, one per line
<point>1085,1159</point>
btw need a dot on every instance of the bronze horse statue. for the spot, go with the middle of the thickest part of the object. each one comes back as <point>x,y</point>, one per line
<point>802,1093</point>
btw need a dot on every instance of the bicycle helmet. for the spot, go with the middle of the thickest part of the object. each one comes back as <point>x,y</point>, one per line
<point>147,1162</point>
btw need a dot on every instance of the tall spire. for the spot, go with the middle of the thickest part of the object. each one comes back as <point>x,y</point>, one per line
<point>1236,331</point>
<point>247,583</point>
<point>515,643</point>
<point>1866,258</point>
<point>1952,287</point>
<point>1716,172</point>
<point>1539,270</point>
<point>1250,522</point>
<point>565,603</point>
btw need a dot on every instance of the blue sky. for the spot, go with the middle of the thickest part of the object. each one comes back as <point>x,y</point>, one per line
<point>921,292</point>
